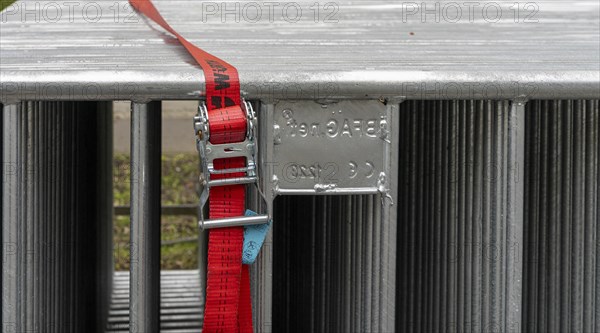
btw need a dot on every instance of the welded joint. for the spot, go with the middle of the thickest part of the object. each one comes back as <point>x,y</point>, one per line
<point>276,134</point>
<point>274,185</point>
<point>383,188</point>
<point>384,132</point>
<point>320,188</point>
<point>519,103</point>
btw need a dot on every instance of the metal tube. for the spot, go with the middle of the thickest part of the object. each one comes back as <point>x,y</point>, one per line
<point>233,221</point>
<point>387,232</point>
<point>515,211</point>
<point>262,280</point>
<point>232,181</point>
<point>11,204</point>
<point>144,284</point>
<point>348,191</point>
<point>202,263</point>
<point>104,210</point>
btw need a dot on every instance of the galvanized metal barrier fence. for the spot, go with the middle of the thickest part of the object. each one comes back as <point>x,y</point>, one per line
<point>465,261</point>
<point>455,209</point>
<point>56,213</point>
<point>460,216</point>
<point>463,266</point>
<point>562,217</point>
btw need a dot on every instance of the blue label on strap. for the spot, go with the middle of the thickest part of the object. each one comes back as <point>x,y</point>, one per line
<point>254,237</point>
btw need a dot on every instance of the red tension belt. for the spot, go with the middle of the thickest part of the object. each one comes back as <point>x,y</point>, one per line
<point>228,306</point>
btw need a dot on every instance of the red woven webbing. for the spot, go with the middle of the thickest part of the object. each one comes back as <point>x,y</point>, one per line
<point>228,305</point>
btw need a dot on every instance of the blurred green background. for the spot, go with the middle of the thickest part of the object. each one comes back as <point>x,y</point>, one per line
<point>5,3</point>
<point>179,177</point>
<point>180,171</point>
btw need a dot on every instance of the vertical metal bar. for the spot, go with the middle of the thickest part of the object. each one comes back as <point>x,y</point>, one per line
<point>387,285</point>
<point>531,228</point>
<point>36,215</point>
<point>462,168</point>
<point>556,168</point>
<point>262,277</point>
<point>1,190</point>
<point>29,244</point>
<point>322,260</point>
<point>497,223</point>
<point>202,262</point>
<point>487,303</point>
<point>367,259</point>
<point>104,211</point>
<point>11,214</point>
<point>53,232</point>
<point>71,214</point>
<point>596,269</point>
<point>577,219</point>
<point>439,218</point>
<point>592,173</point>
<point>144,285</point>
<point>347,277</point>
<point>61,234</point>
<point>543,257</point>
<point>515,212</point>
<point>452,245</point>
<point>45,151</point>
<point>358,268</point>
<point>313,260</point>
<point>565,223</point>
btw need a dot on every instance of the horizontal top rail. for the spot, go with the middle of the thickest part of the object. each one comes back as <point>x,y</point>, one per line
<point>102,50</point>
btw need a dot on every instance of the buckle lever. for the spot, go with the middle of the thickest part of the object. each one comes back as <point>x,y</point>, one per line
<point>209,152</point>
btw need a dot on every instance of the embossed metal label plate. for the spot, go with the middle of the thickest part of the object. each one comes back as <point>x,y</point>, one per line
<point>329,147</point>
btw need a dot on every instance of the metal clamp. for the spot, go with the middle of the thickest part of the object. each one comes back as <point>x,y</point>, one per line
<point>209,152</point>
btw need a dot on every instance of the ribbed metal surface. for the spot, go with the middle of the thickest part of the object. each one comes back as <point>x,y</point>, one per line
<point>57,216</point>
<point>562,256</point>
<point>455,234</point>
<point>358,49</point>
<point>327,264</point>
<point>180,308</point>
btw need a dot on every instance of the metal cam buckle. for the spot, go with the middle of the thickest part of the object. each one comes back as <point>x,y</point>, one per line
<point>209,152</point>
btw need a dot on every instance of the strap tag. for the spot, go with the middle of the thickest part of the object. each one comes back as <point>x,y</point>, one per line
<point>254,237</point>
